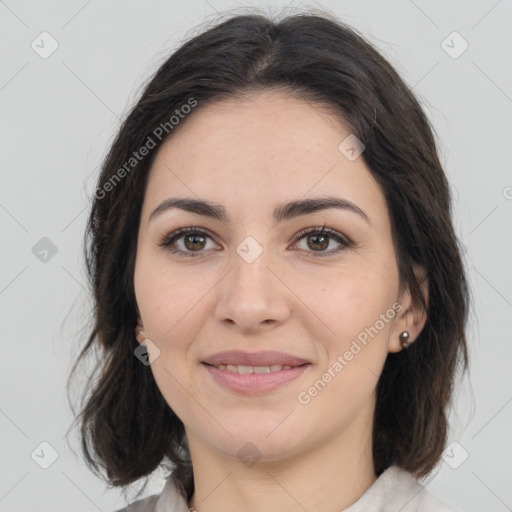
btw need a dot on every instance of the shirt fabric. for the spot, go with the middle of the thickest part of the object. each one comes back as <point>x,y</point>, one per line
<point>395,489</point>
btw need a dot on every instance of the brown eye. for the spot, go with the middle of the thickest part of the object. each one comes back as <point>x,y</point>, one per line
<point>194,242</point>
<point>187,241</point>
<point>191,241</point>
<point>317,240</point>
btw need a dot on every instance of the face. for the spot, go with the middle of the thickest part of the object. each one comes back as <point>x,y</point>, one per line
<point>254,281</point>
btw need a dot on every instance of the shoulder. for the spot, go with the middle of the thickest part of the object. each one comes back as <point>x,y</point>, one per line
<point>145,505</point>
<point>169,500</point>
<point>397,489</point>
<point>403,488</point>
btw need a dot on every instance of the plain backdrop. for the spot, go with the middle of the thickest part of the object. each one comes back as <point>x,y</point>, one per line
<point>58,115</point>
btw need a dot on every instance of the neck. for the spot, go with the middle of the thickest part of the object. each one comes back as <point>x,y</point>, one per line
<point>329,476</point>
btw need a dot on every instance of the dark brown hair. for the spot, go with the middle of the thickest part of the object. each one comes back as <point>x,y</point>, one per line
<point>126,426</point>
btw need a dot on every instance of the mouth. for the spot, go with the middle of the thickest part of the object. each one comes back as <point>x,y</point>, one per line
<point>259,361</point>
<point>247,369</point>
<point>255,379</point>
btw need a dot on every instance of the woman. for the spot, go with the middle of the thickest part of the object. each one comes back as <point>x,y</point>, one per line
<point>279,295</point>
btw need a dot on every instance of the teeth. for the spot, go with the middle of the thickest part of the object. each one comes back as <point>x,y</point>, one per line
<point>253,369</point>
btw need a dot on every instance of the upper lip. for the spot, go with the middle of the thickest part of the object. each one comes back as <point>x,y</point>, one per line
<point>263,358</point>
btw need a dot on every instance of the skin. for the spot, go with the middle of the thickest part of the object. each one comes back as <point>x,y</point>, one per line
<point>250,156</point>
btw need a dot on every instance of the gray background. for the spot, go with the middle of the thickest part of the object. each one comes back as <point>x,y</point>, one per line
<point>58,116</point>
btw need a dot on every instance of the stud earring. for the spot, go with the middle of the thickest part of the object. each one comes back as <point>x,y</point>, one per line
<point>404,339</point>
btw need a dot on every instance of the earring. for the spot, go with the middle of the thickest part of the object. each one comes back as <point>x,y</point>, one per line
<point>404,339</point>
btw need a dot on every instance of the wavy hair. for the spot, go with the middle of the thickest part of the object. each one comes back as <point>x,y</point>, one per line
<point>127,429</point>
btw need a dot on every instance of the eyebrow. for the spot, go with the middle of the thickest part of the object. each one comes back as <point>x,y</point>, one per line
<point>282,212</point>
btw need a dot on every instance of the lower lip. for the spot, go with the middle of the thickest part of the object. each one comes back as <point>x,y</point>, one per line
<point>254,383</point>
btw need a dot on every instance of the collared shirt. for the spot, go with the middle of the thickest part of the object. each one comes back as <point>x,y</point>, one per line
<point>395,489</point>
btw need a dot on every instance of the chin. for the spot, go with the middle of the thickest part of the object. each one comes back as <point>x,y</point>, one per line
<point>254,444</point>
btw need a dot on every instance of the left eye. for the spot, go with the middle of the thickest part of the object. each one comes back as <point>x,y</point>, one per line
<point>321,238</point>
<point>194,240</point>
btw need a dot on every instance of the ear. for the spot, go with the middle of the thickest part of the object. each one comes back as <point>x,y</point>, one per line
<point>411,317</point>
<point>139,330</point>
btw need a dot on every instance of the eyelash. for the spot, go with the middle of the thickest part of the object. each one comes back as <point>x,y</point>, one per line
<point>170,238</point>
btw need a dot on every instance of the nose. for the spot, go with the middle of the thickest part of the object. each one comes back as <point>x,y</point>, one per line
<point>252,296</point>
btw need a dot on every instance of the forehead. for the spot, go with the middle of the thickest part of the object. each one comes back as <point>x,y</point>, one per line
<point>269,147</point>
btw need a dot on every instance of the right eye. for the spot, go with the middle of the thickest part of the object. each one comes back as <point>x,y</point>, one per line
<point>192,240</point>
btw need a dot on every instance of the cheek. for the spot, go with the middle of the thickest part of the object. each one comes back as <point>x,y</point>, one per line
<point>351,301</point>
<point>171,312</point>
<point>359,314</point>
<point>357,308</point>
<point>166,299</point>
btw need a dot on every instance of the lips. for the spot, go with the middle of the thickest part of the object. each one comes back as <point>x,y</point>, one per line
<point>263,358</point>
